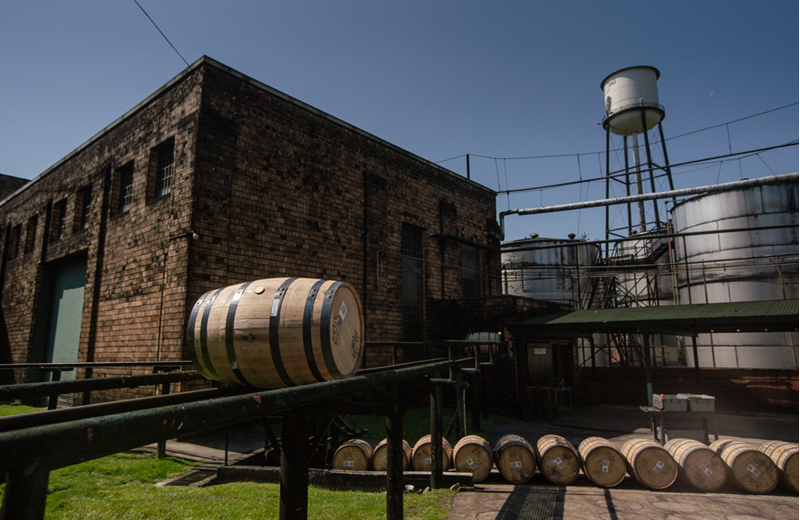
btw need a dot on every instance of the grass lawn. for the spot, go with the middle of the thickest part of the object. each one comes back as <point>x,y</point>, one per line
<point>120,487</point>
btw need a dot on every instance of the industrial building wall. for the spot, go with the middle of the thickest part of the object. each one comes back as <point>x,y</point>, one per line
<point>134,302</point>
<point>284,190</point>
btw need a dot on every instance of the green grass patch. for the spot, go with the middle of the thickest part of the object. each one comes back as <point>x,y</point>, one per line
<point>15,409</point>
<point>120,487</point>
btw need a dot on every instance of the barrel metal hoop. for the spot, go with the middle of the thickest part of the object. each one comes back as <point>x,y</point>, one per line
<point>190,336</point>
<point>325,327</point>
<point>229,334</point>
<point>204,336</point>
<point>308,313</point>
<point>274,336</point>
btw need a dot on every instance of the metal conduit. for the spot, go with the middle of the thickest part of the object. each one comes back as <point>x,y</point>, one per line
<point>786,178</point>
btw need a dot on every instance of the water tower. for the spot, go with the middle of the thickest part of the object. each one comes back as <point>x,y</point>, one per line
<point>632,108</point>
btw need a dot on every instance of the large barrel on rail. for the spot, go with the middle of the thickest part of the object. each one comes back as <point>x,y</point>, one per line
<point>277,332</point>
<point>748,468</point>
<point>699,465</point>
<point>785,456</point>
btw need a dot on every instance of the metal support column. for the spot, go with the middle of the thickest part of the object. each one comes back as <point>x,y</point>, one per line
<point>161,450</point>
<point>25,495</point>
<point>394,455</point>
<point>296,429</point>
<point>461,404</point>
<point>648,369</point>
<point>437,476</point>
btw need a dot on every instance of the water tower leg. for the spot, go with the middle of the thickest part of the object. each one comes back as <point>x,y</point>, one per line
<point>650,167</point>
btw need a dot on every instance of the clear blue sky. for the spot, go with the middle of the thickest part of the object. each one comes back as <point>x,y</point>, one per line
<point>441,79</point>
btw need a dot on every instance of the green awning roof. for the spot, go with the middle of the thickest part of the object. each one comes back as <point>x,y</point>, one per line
<point>679,320</point>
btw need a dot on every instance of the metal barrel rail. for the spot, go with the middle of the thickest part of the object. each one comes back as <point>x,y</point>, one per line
<point>28,455</point>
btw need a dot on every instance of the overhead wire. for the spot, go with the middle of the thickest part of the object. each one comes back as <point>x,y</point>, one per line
<point>160,31</point>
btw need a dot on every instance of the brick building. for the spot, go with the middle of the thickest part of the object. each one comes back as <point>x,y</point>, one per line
<point>217,179</point>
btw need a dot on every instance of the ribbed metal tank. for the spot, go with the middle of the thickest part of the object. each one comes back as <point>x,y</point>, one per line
<point>653,281</point>
<point>740,266</point>
<point>548,269</point>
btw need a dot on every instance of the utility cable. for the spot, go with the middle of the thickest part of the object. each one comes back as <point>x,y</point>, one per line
<point>162,33</point>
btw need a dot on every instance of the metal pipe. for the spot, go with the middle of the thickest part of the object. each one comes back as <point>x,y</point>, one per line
<point>786,178</point>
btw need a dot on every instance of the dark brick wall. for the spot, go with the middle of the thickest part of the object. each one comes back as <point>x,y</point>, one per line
<point>9,185</point>
<point>282,190</point>
<point>124,253</point>
<point>272,187</point>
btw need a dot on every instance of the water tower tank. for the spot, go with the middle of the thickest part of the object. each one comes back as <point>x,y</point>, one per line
<point>627,92</point>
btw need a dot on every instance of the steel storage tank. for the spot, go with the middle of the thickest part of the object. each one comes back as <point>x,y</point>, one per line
<point>627,92</point>
<point>551,269</point>
<point>740,266</point>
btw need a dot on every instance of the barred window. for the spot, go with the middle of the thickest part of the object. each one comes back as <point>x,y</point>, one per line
<point>59,220</point>
<point>163,157</point>
<point>30,234</point>
<point>125,192</point>
<point>470,271</point>
<point>413,317</point>
<point>13,242</point>
<point>83,207</point>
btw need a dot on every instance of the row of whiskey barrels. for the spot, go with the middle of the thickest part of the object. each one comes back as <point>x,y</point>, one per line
<point>706,468</point>
<point>471,454</point>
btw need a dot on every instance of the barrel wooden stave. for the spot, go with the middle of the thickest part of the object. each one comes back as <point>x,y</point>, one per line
<point>649,463</point>
<point>515,459</point>
<point>381,451</point>
<point>558,459</point>
<point>421,454</point>
<point>353,455</point>
<point>602,462</point>
<point>698,464</point>
<point>785,455</point>
<point>277,332</point>
<point>473,454</point>
<point>748,468</point>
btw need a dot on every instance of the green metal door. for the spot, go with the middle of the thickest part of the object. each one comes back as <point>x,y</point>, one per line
<point>66,310</point>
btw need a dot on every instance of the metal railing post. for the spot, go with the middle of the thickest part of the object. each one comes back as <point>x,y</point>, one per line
<point>394,456</point>
<point>437,477</point>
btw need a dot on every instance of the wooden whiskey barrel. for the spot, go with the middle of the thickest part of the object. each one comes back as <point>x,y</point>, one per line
<point>649,463</point>
<point>748,468</point>
<point>382,450</point>
<point>277,333</point>
<point>515,459</point>
<point>698,464</point>
<point>558,459</point>
<point>421,455</point>
<point>602,463</point>
<point>785,456</point>
<point>353,455</point>
<point>473,454</point>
